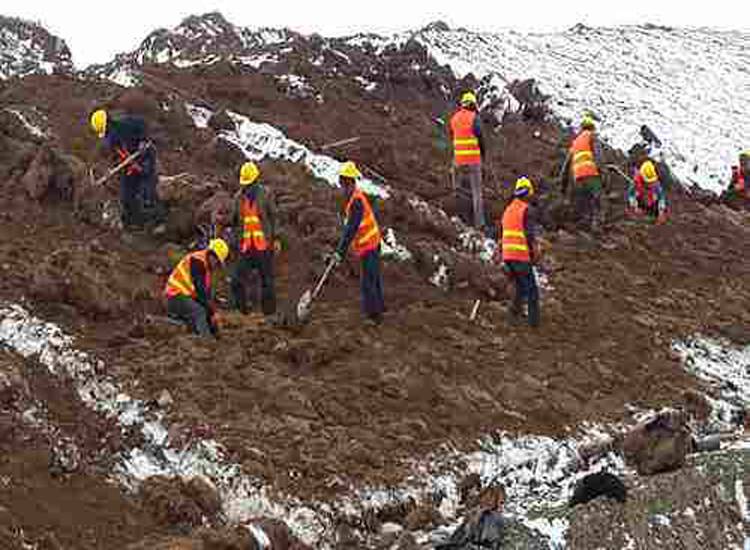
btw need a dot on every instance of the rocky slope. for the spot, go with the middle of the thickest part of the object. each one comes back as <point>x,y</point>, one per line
<point>332,425</point>
<point>28,48</point>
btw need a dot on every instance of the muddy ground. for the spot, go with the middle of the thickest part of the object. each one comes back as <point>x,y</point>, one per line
<point>318,409</point>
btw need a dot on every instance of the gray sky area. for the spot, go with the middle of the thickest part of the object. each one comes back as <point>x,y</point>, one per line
<point>95,31</point>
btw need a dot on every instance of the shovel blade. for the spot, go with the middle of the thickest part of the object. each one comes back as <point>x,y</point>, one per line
<point>303,306</point>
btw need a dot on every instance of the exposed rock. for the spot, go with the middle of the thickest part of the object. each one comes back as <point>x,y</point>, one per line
<point>658,444</point>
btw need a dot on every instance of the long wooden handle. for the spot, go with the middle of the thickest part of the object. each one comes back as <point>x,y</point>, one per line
<point>323,278</point>
<point>123,164</point>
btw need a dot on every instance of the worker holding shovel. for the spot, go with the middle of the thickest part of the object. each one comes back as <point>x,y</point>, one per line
<point>362,234</point>
<point>125,136</point>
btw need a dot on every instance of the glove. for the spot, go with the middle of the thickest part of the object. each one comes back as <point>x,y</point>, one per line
<point>338,257</point>
<point>277,245</point>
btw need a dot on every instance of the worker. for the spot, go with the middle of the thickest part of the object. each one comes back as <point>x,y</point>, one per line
<point>254,223</point>
<point>646,192</point>
<point>740,186</point>
<point>519,251</point>
<point>468,149</point>
<point>189,290</point>
<point>125,135</point>
<point>582,166</point>
<point>484,527</point>
<point>362,233</point>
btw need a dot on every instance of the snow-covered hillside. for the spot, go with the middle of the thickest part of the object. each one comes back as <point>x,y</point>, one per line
<point>689,85</point>
<point>27,48</point>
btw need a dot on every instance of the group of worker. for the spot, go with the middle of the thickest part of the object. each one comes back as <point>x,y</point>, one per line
<point>250,239</point>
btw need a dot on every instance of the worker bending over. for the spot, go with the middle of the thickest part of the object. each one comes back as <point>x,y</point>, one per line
<point>189,288</point>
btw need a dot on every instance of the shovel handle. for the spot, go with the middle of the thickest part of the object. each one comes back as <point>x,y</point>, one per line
<point>323,278</point>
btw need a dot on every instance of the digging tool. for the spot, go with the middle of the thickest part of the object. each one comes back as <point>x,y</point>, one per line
<point>122,164</point>
<point>305,301</point>
<point>474,311</point>
<point>339,143</point>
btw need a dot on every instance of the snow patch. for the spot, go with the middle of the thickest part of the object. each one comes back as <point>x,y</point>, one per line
<point>33,129</point>
<point>727,371</point>
<point>689,85</point>
<point>391,248</point>
<point>243,498</point>
<point>126,78</point>
<point>368,85</point>
<point>200,115</point>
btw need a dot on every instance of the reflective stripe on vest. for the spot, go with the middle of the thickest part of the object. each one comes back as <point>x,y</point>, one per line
<point>514,243</point>
<point>368,233</point>
<point>180,282</point>
<point>253,237</point>
<point>583,156</point>
<point>465,143</point>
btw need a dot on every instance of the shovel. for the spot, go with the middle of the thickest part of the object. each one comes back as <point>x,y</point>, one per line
<point>305,301</point>
<point>120,166</point>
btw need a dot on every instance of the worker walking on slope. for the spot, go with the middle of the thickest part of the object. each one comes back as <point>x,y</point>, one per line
<point>582,166</point>
<point>468,149</point>
<point>125,135</point>
<point>189,288</point>
<point>520,251</point>
<point>254,223</point>
<point>646,192</point>
<point>362,233</point>
<point>740,186</point>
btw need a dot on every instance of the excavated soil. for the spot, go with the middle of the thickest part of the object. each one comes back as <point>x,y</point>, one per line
<point>315,409</point>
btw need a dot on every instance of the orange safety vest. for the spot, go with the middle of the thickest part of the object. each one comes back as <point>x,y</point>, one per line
<point>368,233</point>
<point>738,179</point>
<point>514,243</point>
<point>180,282</point>
<point>465,143</point>
<point>582,151</point>
<point>253,237</point>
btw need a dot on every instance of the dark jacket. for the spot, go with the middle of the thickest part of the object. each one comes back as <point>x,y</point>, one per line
<point>257,193</point>
<point>128,132</point>
<point>481,531</point>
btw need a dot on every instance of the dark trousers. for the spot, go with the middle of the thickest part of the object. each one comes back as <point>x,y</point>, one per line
<point>191,313</point>
<point>467,183</point>
<point>527,290</point>
<point>587,202</point>
<point>371,279</point>
<point>131,199</point>
<point>238,284</point>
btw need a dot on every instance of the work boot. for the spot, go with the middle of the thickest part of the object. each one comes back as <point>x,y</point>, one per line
<point>374,319</point>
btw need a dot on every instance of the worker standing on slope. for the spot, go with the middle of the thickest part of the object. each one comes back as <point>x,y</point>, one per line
<point>189,290</point>
<point>520,251</point>
<point>740,186</point>
<point>646,192</point>
<point>582,165</point>
<point>362,233</point>
<point>254,223</point>
<point>468,148</point>
<point>125,135</point>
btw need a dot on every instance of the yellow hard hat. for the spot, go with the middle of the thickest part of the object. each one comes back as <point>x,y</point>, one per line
<point>523,187</point>
<point>469,98</point>
<point>350,170</point>
<point>648,171</point>
<point>220,248</point>
<point>745,154</point>
<point>587,122</point>
<point>249,173</point>
<point>99,122</point>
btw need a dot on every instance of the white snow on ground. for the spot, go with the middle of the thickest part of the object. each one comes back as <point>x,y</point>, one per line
<point>255,61</point>
<point>726,369</point>
<point>368,85</point>
<point>200,115</point>
<point>32,128</point>
<point>739,490</point>
<point>126,78</point>
<point>242,497</point>
<point>689,85</point>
